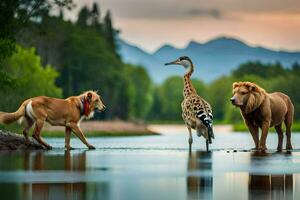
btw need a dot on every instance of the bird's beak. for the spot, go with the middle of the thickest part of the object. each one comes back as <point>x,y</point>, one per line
<point>176,62</point>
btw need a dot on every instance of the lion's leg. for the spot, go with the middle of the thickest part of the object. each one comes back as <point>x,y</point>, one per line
<point>67,138</point>
<point>37,133</point>
<point>280,137</point>
<point>288,125</point>
<point>80,135</point>
<point>29,124</point>
<point>254,133</point>
<point>264,134</point>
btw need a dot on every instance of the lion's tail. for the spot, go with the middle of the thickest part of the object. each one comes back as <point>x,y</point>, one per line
<point>7,118</point>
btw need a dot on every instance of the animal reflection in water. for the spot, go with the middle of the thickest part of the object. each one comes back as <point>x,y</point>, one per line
<point>270,186</point>
<point>199,187</point>
<point>69,162</point>
<point>260,186</point>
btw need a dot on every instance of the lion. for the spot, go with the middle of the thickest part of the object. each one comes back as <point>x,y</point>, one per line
<point>57,112</point>
<point>264,110</point>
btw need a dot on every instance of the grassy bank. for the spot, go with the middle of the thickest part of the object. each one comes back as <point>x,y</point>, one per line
<point>242,127</point>
<point>111,129</point>
<point>61,134</point>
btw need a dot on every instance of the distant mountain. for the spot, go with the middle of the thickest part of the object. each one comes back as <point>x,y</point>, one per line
<point>212,59</point>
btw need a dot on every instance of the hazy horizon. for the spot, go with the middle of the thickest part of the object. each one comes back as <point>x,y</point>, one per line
<point>149,25</point>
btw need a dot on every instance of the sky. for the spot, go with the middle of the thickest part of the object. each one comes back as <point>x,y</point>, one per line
<point>151,23</point>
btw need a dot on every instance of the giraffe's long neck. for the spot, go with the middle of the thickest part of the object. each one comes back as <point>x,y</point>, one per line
<point>188,86</point>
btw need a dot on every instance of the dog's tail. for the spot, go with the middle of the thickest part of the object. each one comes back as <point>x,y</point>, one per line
<point>7,118</point>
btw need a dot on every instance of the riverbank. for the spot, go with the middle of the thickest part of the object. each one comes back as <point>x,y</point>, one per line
<point>241,127</point>
<point>94,129</point>
<point>12,141</point>
<point>181,128</point>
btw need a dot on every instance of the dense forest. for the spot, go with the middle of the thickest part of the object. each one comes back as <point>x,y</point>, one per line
<point>73,57</point>
<point>272,77</point>
<point>42,54</point>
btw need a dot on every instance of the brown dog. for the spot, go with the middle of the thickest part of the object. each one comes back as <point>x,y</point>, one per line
<point>58,112</point>
<point>263,110</point>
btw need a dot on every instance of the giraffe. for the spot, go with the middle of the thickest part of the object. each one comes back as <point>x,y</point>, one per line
<point>196,112</point>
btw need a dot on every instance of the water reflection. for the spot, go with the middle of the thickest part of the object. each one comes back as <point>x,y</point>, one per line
<point>199,187</point>
<point>206,181</point>
<point>278,186</point>
<point>152,174</point>
<point>40,162</point>
<point>43,162</point>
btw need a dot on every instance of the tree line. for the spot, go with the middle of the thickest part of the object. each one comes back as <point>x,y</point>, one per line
<point>271,76</point>
<point>73,57</point>
<point>47,55</point>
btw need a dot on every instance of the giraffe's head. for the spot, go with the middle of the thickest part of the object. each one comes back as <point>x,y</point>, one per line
<point>184,61</point>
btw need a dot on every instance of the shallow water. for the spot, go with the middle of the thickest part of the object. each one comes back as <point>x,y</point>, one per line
<point>153,167</point>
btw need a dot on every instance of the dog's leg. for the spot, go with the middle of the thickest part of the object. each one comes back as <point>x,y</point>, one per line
<point>254,133</point>
<point>80,135</point>
<point>280,137</point>
<point>37,133</point>
<point>29,124</point>
<point>264,134</point>
<point>67,138</point>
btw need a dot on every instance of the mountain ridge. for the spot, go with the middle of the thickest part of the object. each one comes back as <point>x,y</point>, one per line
<point>214,58</point>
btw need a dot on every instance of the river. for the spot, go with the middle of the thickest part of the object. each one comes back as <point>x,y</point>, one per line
<point>153,167</point>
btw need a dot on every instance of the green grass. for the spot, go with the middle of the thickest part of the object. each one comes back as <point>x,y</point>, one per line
<point>165,122</point>
<point>241,127</point>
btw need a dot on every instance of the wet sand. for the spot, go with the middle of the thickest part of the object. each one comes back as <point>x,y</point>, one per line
<point>153,167</point>
<point>106,128</point>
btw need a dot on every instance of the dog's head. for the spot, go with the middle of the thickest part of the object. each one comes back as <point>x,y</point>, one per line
<point>246,95</point>
<point>94,101</point>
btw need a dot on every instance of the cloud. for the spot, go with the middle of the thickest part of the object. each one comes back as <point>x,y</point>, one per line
<point>214,13</point>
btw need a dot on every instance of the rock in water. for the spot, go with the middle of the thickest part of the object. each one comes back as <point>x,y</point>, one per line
<point>13,141</point>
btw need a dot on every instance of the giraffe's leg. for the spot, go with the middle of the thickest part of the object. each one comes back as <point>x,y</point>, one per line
<point>207,145</point>
<point>190,137</point>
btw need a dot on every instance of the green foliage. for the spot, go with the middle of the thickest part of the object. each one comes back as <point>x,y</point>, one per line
<point>259,69</point>
<point>84,55</point>
<point>289,85</point>
<point>83,17</point>
<point>168,98</point>
<point>109,31</point>
<point>272,77</point>
<point>241,127</point>
<point>14,15</point>
<point>218,95</point>
<point>31,79</point>
<point>141,92</point>
<point>85,60</point>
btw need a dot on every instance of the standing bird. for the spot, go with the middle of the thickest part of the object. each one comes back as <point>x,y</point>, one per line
<point>196,112</point>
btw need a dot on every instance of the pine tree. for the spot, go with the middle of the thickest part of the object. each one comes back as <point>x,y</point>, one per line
<point>61,14</point>
<point>83,17</point>
<point>109,32</point>
<point>95,15</point>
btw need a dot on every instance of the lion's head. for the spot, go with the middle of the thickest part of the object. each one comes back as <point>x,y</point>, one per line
<point>248,96</point>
